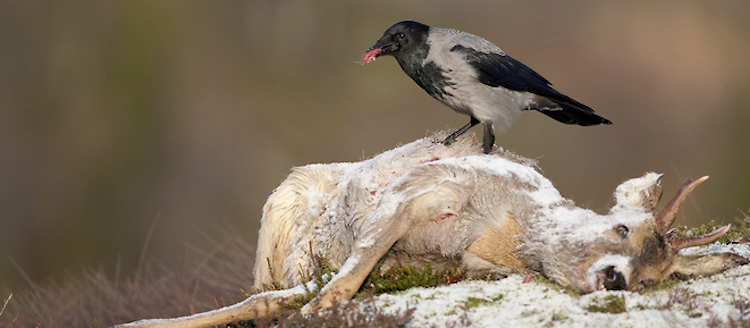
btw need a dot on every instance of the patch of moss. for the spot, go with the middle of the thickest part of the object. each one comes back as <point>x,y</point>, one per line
<point>560,317</point>
<point>738,233</point>
<point>399,278</point>
<point>608,304</point>
<point>300,301</point>
<point>640,307</point>
<point>472,302</point>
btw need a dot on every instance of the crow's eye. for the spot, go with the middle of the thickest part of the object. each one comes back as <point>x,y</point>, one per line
<point>622,230</point>
<point>400,36</point>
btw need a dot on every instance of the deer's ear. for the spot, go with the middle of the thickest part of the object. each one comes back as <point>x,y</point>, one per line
<point>690,266</point>
<point>643,192</point>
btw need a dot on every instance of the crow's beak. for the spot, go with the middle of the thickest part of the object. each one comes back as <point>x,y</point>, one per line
<point>380,48</point>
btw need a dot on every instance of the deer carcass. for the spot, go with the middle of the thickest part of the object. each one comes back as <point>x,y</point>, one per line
<point>494,214</point>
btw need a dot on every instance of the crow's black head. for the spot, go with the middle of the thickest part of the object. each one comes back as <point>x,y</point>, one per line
<point>399,40</point>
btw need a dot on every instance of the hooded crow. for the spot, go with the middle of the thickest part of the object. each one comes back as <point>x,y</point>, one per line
<point>474,77</point>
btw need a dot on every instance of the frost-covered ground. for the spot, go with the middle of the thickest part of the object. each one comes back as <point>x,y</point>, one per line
<point>706,302</point>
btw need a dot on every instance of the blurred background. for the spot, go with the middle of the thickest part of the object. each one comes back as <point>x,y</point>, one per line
<point>170,121</point>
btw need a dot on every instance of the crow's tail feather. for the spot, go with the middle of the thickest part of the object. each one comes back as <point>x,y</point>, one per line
<point>570,111</point>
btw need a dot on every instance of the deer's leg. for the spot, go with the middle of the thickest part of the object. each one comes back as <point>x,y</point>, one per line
<point>377,239</point>
<point>256,306</point>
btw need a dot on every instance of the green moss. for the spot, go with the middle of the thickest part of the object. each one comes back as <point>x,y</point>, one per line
<point>472,302</point>
<point>558,316</point>
<point>608,304</point>
<point>299,301</point>
<point>739,232</point>
<point>398,278</point>
<point>640,307</point>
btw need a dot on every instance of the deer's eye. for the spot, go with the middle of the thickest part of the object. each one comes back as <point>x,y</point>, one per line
<point>622,230</point>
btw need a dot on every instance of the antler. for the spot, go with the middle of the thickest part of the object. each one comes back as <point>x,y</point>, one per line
<point>666,217</point>
<point>679,243</point>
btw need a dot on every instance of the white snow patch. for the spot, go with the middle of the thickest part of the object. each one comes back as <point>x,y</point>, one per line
<point>510,303</point>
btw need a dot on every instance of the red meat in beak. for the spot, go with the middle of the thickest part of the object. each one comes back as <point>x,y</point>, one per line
<point>370,55</point>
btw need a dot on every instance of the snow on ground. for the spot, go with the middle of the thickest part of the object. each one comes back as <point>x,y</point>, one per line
<point>704,302</point>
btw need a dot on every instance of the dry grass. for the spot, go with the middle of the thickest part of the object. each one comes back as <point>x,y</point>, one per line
<point>212,276</point>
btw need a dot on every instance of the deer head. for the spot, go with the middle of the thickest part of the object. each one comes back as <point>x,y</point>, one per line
<point>631,247</point>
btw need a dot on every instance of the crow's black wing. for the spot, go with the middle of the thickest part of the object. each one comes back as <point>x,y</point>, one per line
<point>501,70</point>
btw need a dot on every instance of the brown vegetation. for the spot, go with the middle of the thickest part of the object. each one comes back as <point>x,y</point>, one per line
<point>213,276</point>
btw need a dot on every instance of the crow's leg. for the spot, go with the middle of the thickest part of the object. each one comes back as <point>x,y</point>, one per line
<point>452,138</point>
<point>489,138</point>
